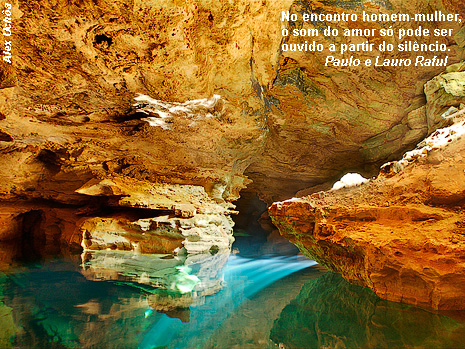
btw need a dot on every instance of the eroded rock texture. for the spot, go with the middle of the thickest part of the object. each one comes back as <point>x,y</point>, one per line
<point>402,234</point>
<point>78,67</point>
<point>162,111</point>
<point>327,120</point>
<point>70,118</point>
<point>179,218</point>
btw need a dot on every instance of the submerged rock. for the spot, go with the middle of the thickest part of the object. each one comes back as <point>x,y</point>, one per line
<point>329,312</point>
<point>170,282</point>
<point>7,324</point>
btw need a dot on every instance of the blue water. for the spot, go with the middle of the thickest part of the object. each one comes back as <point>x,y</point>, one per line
<point>249,299</point>
<point>243,277</point>
<point>108,299</point>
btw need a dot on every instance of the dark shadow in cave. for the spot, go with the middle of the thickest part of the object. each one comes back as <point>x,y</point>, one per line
<point>254,232</point>
<point>102,38</point>
<point>32,238</point>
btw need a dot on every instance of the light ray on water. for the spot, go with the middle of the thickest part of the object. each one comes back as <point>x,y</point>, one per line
<point>243,278</point>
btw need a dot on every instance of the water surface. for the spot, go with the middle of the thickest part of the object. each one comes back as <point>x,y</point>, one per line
<point>257,297</point>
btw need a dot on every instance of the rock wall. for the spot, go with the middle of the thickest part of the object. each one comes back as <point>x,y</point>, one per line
<point>70,115</point>
<point>178,218</point>
<point>400,234</point>
<point>293,122</point>
<point>327,120</point>
<point>195,93</point>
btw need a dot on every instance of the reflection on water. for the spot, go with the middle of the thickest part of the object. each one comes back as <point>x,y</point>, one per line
<point>109,299</point>
<point>54,306</point>
<point>243,278</point>
<point>331,313</point>
<point>114,299</point>
<point>193,276</point>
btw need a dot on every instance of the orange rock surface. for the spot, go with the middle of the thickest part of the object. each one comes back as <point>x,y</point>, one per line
<point>67,102</point>
<point>403,236</point>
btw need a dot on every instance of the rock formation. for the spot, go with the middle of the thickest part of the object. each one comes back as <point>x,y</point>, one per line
<point>170,282</point>
<point>133,125</point>
<point>197,223</point>
<point>400,234</point>
<point>67,100</point>
<point>327,120</point>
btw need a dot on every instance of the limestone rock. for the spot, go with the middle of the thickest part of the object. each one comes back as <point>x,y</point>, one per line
<point>70,115</point>
<point>402,236</point>
<point>199,234</point>
<point>327,120</point>
<point>133,105</point>
<point>147,218</point>
<point>10,224</point>
<point>444,92</point>
<point>181,218</point>
<point>34,230</point>
<point>73,109</point>
<point>182,200</point>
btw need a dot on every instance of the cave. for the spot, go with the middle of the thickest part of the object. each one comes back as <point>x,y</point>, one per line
<point>231,174</point>
<point>32,238</point>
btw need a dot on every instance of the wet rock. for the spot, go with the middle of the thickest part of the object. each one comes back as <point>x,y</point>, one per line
<point>173,305</point>
<point>31,231</point>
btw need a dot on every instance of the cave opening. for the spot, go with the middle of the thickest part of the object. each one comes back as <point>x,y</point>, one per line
<point>33,239</point>
<point>254,232</point>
